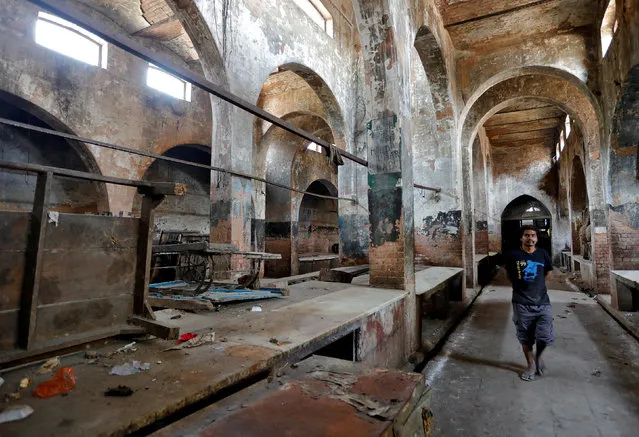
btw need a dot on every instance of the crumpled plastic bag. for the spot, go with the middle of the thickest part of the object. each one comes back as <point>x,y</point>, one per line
<point>127,369</point>
<point>62,382</point>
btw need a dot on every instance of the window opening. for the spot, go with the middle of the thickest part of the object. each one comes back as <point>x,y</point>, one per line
<point>162,81</point>
<point>70,40</point>
<point>568,127</point>
<point>608,26</point>
<point>317,12</point>
<point>315,148</point>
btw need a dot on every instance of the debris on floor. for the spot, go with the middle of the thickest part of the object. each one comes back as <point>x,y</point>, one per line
<point>62,382</point>
<point>186,296</point>
<point>596,372</point>
<point>49,366</point>
<point>15,412</point>
<point>131,368</point>
<point>256,309</point>
<point>195,342</point>
<point>25,382</point>
<point>119,391</point>
<point>186,337</point>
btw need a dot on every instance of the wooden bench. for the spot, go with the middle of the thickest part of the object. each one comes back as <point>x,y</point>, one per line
<point>343,274</point>
<point>626,283</point>
<point>437,286</point>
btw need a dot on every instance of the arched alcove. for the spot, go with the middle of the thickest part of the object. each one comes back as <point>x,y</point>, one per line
<point>318,228</point>
<point>188,214</point>
<point>17,190</point>
<point>525,210</point>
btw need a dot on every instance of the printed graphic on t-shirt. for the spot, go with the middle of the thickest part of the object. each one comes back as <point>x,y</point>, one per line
<point>529,270</point>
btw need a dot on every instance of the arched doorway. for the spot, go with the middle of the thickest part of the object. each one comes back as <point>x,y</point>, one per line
<point>318,229</point>
<point>525,210</point>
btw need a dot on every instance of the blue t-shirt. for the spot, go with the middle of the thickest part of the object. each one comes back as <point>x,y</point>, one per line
<point>527,272</point>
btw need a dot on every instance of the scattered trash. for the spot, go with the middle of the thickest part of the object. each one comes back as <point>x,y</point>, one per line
<point>186,337</point>
<point>256,309</point>
<point>219,348</point>
<point>125,348</point>
<point>177,316</point>
<point>62,382</point>
<point>224,339</point>
<point>91,355</point>
<point>12,396</point>
<point>596,372</point>
<point>131,368</point>
<point>54,217</point>
<point>195,342</point>
<point>15,412</point>
<point>49,366</point>
<point>561,316</point>
<point>119,391</point>
<point>159,362</point>
<point>25,382</point>
<point>273,340</point>
<point>572,305</point>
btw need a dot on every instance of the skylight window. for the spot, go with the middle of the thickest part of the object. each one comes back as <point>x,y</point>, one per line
<point>608,26</point>
<point>315,148</point>
<point>318,13</point>
<point>167,83</point>
<point>65,37</point>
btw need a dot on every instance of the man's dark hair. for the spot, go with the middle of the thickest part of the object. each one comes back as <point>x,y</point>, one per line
<point>525,228</point>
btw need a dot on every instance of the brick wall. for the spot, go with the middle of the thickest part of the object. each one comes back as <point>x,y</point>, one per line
<point>601,252</point>
<point>387,264</point>
<point>438,250</point>
<point>481,242</point>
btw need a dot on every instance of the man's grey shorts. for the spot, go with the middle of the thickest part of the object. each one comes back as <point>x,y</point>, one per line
<point>533,323</point>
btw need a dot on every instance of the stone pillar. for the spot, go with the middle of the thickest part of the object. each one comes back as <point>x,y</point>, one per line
<point>390,177</point>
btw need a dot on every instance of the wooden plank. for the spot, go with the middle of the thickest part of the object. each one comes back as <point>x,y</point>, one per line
<point>177,248</point>
<point>70,318</point>
<point>469,10</point>
<point>343,274</point>
<point>157,328</point>
<point>144,253</point>
<point>538,134</point>
<point>526,114</point>
<point>180,304</point>
<point>11,276</point>
<point>524,126</point>
<point>79,231</point>
<point>33,265</point>
<point>14,230</point>
<point>9,328</point>
<point>86,274</point>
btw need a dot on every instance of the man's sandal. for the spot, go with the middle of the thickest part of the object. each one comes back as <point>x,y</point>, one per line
<point>527,376</point>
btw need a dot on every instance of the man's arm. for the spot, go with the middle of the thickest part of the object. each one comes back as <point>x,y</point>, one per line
<point>548,265</point>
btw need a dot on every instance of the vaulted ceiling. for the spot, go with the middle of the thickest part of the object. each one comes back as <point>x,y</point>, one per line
<point>149,19</point>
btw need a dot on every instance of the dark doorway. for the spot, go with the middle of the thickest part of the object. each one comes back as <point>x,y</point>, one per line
<point>525,210</point>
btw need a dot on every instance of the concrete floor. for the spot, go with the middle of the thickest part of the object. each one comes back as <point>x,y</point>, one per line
<point>477,390</point>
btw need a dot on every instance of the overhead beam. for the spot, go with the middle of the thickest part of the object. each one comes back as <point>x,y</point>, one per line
<point>68,12</point>
<point>164,30</point>
<point>523,126</point>
<point>538,134</point>
<point>463,12</point>
<point>524,115</point>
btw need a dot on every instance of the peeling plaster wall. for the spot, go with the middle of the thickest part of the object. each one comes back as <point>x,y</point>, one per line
<point>619,94</point>
<point>256,37</point>
<point>112,105</point>
<point>525,170</point>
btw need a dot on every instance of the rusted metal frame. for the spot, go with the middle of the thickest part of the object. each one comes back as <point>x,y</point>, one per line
<point>33,265</point>
<point>56,171</point>
<point>128,44</point>
<point>144,254</point>
<point>162,158</point>
<point>424,187</point>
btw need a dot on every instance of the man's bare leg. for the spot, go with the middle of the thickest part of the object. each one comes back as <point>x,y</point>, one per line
<point>540,367</point>
<point>529,374</point>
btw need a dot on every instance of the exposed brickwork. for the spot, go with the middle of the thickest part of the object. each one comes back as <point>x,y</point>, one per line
<point>438,250</point>
<point>601,252</point>
<point>386,261</point>
<point>481,242</point>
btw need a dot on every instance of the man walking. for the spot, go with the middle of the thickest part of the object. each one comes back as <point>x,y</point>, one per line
<point>528,268</point>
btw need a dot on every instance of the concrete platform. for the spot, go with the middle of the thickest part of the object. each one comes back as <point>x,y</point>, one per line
<point>246,347</point>
<point>591,387</point>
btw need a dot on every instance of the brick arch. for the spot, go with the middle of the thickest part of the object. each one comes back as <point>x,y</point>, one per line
<point>550,85</point>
